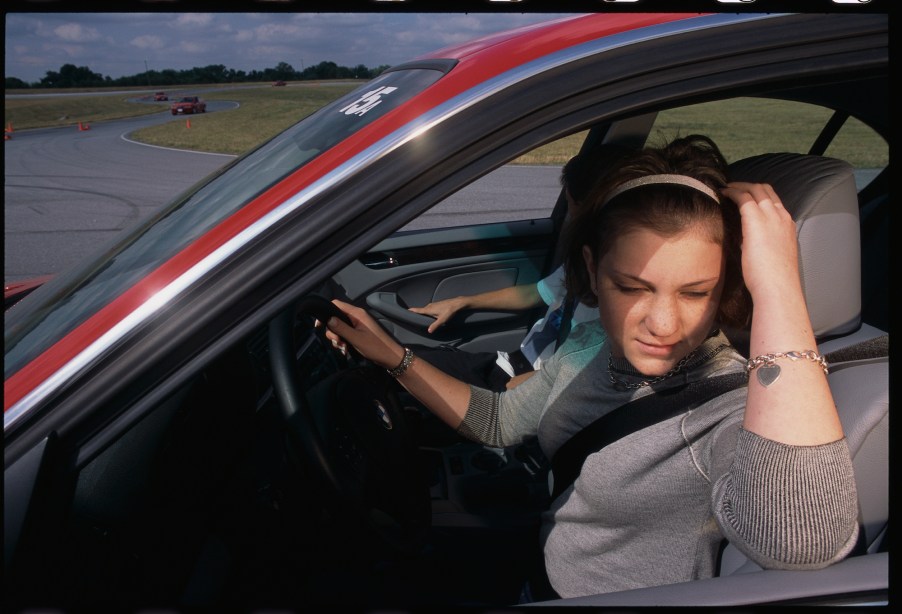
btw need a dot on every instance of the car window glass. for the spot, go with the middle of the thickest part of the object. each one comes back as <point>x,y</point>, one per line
<point>528,187</point>
<point>859,145</point>
<point>68,300</point>
<point>745,126</point>
<point>524,189</point>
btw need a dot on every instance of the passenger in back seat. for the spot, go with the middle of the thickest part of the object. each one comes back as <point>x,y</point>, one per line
<point>502,370</point>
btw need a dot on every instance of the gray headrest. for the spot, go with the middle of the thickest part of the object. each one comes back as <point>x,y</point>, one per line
<point>820,194</point>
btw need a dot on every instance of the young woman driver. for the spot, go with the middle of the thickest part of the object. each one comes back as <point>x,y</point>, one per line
<point>669,251</point>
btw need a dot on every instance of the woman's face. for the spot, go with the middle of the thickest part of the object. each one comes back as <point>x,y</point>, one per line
<point>658,296</point>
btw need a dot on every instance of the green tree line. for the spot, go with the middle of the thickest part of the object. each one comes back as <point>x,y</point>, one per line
<point>70,75</point>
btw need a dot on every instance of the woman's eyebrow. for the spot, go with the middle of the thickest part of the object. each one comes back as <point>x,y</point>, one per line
<point>636,278</point>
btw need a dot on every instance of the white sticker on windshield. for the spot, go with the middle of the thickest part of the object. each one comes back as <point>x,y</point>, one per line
<point>367,101</point>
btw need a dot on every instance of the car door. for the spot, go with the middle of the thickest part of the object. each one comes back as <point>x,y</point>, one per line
<point>443,254</point>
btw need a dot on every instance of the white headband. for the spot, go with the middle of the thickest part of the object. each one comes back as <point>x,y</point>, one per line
<point>689,182</point>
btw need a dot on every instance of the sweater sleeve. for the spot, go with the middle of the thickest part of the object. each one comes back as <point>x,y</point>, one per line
<point>502,419</point>
<point>789,507</point>
<point>480,423</point>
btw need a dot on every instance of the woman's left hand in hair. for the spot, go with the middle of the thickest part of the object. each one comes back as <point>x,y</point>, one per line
<point>770,260</point>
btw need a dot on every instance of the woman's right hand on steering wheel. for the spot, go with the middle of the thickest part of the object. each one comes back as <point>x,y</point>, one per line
<point>365,335</point>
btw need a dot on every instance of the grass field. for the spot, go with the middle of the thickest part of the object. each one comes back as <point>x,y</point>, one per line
<point>26,113</point>
<point>265,111</point>
<point>262,113</point>
<point>723,121</point>
<point>25,109</point>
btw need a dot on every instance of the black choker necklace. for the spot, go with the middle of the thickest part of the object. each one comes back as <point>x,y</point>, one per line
<point>622,385</point>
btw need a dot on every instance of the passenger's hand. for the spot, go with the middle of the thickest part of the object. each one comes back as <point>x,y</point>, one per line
<point>365,334</point>
<point>770,261</point>
<point>442,311</point>
<point>519,379</point>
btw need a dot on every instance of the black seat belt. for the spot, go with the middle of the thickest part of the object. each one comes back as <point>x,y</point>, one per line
<point>877,347</point>
<point>631,417</point>
<point>653,408</point>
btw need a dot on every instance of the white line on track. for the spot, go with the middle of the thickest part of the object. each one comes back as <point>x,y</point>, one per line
<point>124,137</point>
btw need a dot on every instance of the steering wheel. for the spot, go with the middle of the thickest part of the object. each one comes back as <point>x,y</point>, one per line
<point>351,429</point>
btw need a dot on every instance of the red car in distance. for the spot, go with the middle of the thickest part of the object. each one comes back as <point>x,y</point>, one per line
<point>188,104</point>
<point>160,97</point>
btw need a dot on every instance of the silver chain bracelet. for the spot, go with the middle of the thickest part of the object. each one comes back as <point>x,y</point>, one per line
<point>769,371</point>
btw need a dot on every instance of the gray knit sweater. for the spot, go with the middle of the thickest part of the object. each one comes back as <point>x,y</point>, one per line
<point>653,507</point>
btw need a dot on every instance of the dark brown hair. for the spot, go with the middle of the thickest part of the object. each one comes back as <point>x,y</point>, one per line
<point>583,171</point>
<point>665,209</point>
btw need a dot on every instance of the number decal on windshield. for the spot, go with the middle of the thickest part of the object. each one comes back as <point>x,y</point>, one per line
<point>367,101</point>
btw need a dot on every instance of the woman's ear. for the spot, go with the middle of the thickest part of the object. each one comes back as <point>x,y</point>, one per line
<point>589,259</point>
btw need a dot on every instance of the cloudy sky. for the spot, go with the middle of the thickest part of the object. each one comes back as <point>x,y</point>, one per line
<point>121,44</point>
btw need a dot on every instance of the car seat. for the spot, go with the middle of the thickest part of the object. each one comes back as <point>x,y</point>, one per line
<point>820,194</point>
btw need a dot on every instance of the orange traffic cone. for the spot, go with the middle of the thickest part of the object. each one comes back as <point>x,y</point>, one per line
<point>82,127</point>
<point>9,127</point>
<point>187,123</point>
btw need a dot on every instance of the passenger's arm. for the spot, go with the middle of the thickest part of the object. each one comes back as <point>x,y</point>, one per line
<point>519,379</point>
<point>513,298</point>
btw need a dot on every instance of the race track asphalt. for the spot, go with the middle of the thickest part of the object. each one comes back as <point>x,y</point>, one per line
<point>69,191</point>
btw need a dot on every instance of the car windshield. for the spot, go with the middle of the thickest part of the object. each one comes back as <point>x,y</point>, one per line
<point>61,305</point>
